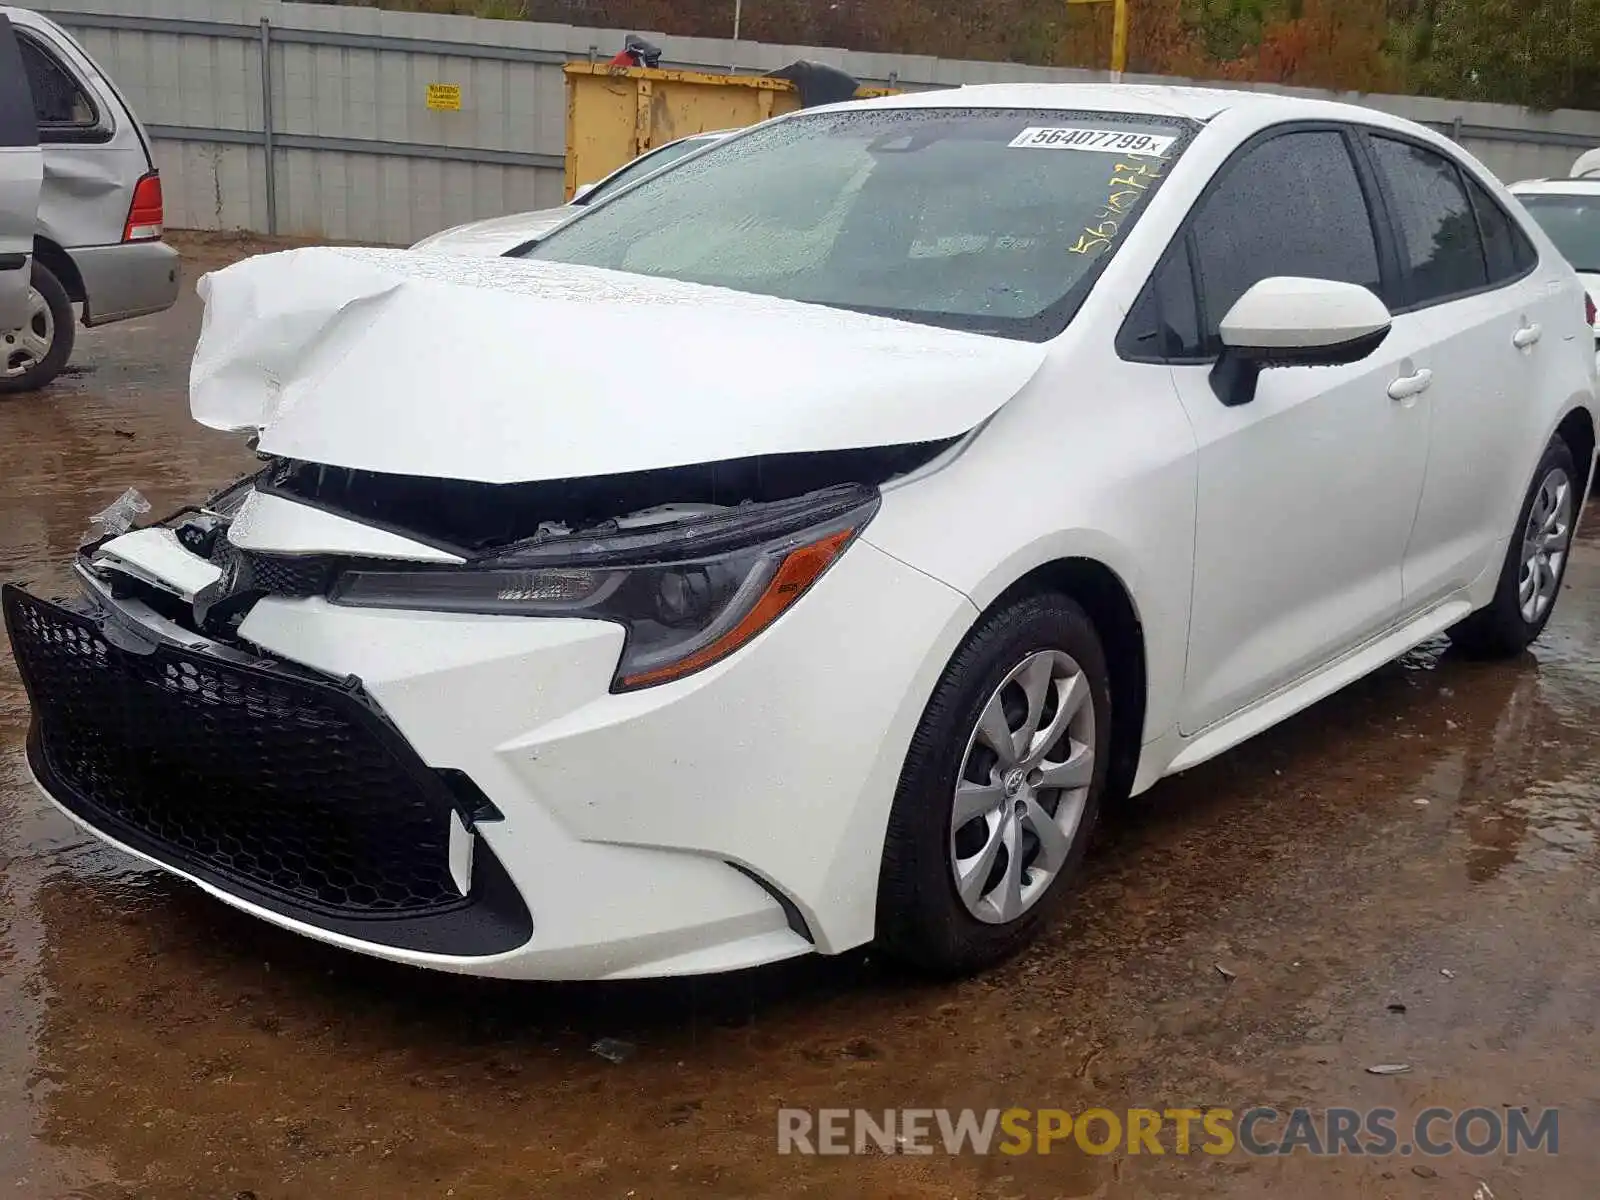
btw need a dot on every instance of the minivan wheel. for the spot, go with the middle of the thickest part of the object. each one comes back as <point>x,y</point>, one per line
<point>1000,790</point>
<point>33,355</point>
<point>1535,563</point>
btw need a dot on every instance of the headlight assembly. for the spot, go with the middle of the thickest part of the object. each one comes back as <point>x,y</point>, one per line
<point>687,594</point>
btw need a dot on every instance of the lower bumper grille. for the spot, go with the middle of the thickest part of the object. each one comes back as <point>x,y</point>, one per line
<point>276,785</point>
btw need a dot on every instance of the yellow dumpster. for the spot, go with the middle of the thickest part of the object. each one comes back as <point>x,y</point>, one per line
<point>615,114</point>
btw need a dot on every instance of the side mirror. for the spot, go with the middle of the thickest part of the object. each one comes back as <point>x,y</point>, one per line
<point>1290,322</point>
<point>580,194</point>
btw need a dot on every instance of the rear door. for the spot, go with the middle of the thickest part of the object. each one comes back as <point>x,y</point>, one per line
<point>1471,274</point>
<point>21,170</point>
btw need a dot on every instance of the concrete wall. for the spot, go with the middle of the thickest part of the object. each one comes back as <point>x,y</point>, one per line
<point>358,155</point>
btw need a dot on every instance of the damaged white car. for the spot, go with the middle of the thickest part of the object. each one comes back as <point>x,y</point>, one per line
<point>963,461</point>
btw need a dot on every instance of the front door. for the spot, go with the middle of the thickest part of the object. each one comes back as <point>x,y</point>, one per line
<point>21,170</point>
<point>1305,495</point>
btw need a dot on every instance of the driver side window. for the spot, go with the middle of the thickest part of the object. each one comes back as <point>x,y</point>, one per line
<point>1292,205</point>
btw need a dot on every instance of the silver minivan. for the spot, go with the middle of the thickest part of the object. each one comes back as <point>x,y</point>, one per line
<point>21,168</point>
<point>97,233</point>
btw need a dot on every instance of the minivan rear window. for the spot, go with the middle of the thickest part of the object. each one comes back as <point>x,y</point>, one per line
<point>58,101</point>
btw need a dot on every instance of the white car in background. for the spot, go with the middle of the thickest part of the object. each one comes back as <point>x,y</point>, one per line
<point>1569,211</point>
<point>960,463</point>
<point>503,235</point>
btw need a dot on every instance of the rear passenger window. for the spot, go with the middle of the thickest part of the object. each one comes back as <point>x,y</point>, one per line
<point>58,101</point>
<point>1437,226</point>
<point>1290,206</point>
<point>1505,247</point>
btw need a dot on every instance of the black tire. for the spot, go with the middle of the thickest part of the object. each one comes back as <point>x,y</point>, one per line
<point>922,920</point>
<point>1499,630</point>
<point>63,333</point>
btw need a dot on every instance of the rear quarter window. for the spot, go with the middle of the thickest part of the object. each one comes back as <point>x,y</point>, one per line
<point>59,101</point>
<point>1506,249</point>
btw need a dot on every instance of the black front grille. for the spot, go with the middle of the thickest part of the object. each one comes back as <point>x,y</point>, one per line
<point>277,785</point>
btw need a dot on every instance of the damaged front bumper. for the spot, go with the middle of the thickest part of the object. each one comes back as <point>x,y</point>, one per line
<point>467,792</point>
<point>276,787</point>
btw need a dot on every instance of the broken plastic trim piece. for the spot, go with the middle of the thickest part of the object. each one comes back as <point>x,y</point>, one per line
<point>226,501</point>
<point>118,516</point>
<point>470,800</point>
<point>687,595</point>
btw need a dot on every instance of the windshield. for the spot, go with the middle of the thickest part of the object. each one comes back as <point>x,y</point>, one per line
<point>992,220</point>
<point>642,166</point>
<point>1573,223</point>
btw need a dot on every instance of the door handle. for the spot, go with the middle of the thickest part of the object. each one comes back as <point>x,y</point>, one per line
<point>1526,336</point>
<point>1410,386</point>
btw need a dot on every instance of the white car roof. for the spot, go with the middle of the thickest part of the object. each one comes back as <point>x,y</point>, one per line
<point>1556,187</point>
<point>1193,103</point>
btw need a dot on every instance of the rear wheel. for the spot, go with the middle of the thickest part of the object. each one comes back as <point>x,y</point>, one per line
<point>1000,790</point>
<point>1535,563</point>
<point>34,354</point>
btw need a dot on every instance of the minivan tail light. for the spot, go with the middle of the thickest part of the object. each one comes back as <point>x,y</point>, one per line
<point>1588,310</point>
<point>146,217</point>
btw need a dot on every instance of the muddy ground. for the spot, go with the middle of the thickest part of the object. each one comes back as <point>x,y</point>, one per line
<point>1405,874</point>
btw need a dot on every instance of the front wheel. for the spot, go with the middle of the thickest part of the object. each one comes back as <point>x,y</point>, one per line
<point>1535,563</point>
<point>34,354</point>
<point>1000,790</point>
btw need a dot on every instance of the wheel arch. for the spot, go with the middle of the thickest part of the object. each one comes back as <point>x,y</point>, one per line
<point>1577,430</point>
<point>53,256</point>
<point>1110,605</point>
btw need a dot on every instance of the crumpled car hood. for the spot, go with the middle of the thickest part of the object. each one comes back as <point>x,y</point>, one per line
<point>506,371</point>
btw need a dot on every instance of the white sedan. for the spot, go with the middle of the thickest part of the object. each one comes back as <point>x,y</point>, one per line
<point>503,235</point>
<point>1569,211</point>
<point>966,462</point>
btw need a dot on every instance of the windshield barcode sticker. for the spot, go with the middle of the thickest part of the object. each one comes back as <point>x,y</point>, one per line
<point>1106,141</point>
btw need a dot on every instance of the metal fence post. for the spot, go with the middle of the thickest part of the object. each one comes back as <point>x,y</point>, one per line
<point>266,125</point>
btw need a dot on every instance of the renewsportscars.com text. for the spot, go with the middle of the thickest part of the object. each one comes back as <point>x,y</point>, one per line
<point>1258,1131</point>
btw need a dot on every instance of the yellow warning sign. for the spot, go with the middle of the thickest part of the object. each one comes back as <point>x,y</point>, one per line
<point>444,97</point>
